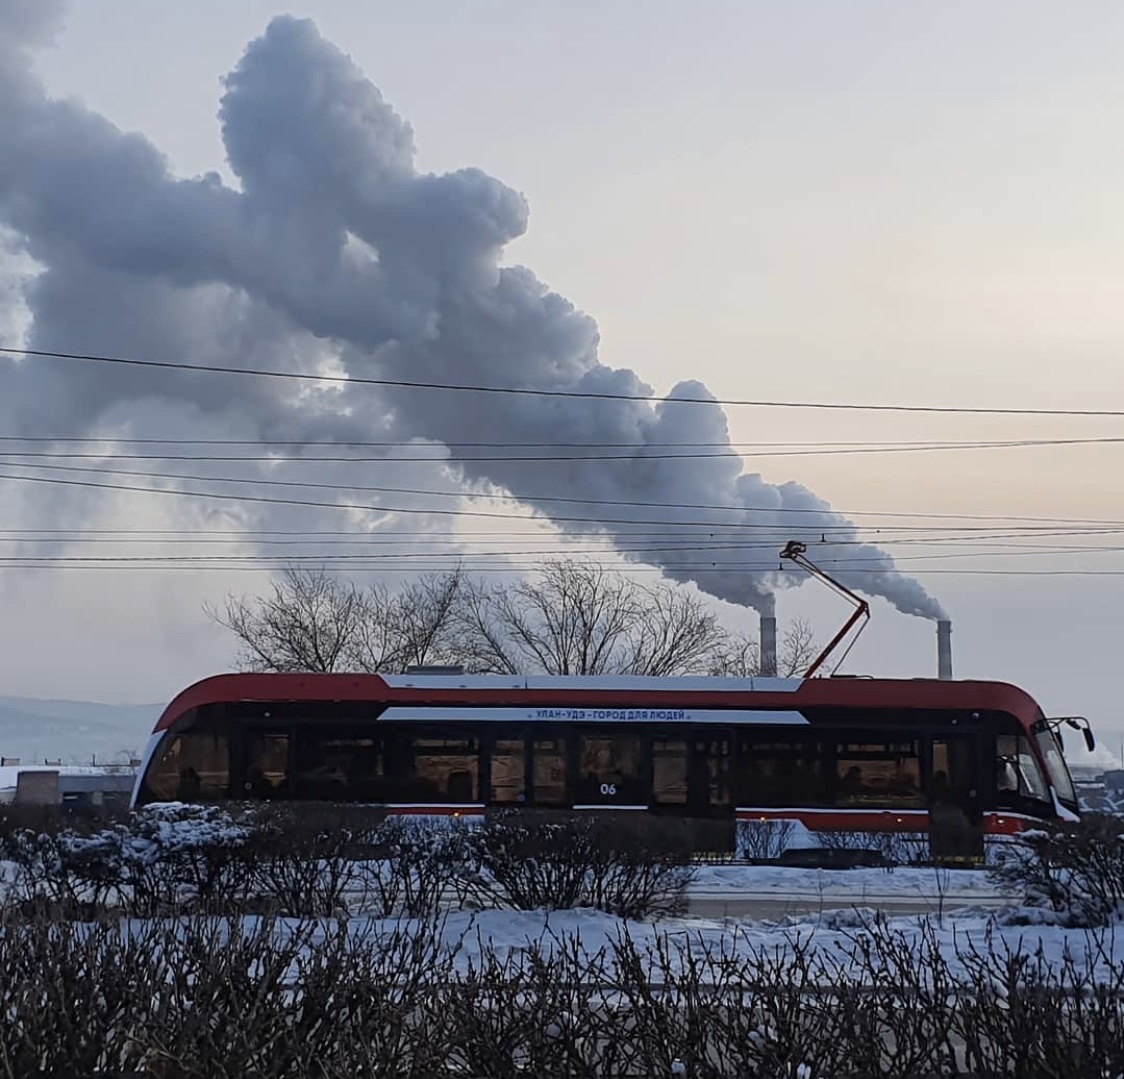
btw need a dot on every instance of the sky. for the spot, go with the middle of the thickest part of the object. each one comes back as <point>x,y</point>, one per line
<point>872,202</point>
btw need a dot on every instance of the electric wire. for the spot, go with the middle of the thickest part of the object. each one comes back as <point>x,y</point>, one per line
<point>399,569</point>
<point>525,391</point>
<point>529,499</point>
<point>644,452</point>
<point>521,555</point>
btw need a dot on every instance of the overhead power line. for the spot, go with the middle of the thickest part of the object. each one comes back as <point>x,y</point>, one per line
<point>396,535</point>
<point>362,507</point>
<point>423,567</point>
<point>963,546</point>
<point>522,555</point>
<point>550,454</point>
<point>523,391</point>
<point>522,499</point>
<point>504,444</point>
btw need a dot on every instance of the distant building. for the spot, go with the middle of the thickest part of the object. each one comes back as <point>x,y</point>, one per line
<point>1114,780</point>
<point>42,785</point>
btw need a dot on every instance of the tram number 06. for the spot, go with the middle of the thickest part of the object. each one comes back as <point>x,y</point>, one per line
<point>608,789</point>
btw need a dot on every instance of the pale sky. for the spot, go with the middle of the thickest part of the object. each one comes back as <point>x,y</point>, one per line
<point>869,202</point>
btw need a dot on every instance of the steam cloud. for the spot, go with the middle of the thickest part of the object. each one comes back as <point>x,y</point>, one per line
<point>336,249</point>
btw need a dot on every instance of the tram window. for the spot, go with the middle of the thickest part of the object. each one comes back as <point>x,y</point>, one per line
<point>445,770</point>
<point>878,773</point>
<point>669,771</point>
<point>611,770</point>
<point>550,771</point>
<point>266,752</point>
<point>1018,769</point>
<point>338,764</point>
<point>780,773</point>
<point>193,766</point>
<point>508,772</point>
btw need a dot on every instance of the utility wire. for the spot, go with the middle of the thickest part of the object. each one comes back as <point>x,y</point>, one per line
<point>550,454</point>
<point>522,391</point>
<point>965,546</point>
<point>143,535</point>
<point>415,442</point>
<point>384,510</point>
<point>521,554</point>
<point>302,443</point>
<point>730,525</point>
<point>441,454</point>
<point>431,493</point>
<point>398,568</point>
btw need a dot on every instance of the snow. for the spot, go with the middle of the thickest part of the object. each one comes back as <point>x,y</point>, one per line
<point>772,882</point>
<point>848,907</point>
<point>588,941</point>
<point>510,934</point>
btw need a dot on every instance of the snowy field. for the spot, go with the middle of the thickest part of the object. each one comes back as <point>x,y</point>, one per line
<point>972,916</point>
<point>849,885</point>
<point>215,942</point>
<point>471,937</point>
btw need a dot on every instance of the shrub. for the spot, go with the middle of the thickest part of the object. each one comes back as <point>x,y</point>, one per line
<point>411,865</point>
<point>884,848</point>
<point>305,856</point>
<point>61,859</point>
<point>1076,870</point>
<point>179,857</point>
<point>764,840</point>
<point>630,866</point>
<point>200,996</point>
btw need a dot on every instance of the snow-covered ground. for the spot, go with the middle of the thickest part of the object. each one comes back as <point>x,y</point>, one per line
<point>766,881</point>
<point>957,935</point>
<point>962,924</point>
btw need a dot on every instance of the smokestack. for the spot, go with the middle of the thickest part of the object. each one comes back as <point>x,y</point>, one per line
<point>944,649</point>
<point>768,646</point>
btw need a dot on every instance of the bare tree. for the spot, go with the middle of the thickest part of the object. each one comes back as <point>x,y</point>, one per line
<point>415,626</point>
<point>313,621</point>
<point>569,617</point>
<point>427,611</point>
<point>739,655</point>
<point>581,618</point>
<point>676,633</point>
<point>798,648</point>
<point>306,624</point>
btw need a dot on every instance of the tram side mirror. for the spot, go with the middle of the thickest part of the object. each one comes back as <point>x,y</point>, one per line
<point>1082,725</point>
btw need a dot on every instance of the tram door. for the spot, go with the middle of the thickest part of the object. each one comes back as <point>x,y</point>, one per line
<point>709,776</point>
<point>691,775</point>
<point>691,780</point>
<point>265,763</point>
<point>955,813</point>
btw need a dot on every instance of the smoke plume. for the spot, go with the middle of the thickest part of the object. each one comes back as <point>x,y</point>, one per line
<point>336,250</point>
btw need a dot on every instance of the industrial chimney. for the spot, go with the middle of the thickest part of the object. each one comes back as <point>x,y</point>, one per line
<point>944,649</point>
<point>768,646</point>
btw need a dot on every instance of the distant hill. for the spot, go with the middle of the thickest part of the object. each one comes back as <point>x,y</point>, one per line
<point>74,732</point>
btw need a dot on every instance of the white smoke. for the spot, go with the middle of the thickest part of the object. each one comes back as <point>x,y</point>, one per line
<point>336,247</point>
<point>29,22</point>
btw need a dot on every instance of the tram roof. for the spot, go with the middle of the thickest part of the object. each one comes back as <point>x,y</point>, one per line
<point>603,691</point>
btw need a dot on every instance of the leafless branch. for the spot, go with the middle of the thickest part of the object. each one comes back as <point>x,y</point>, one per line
<point>305,624</point>
<point>569,617</point>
